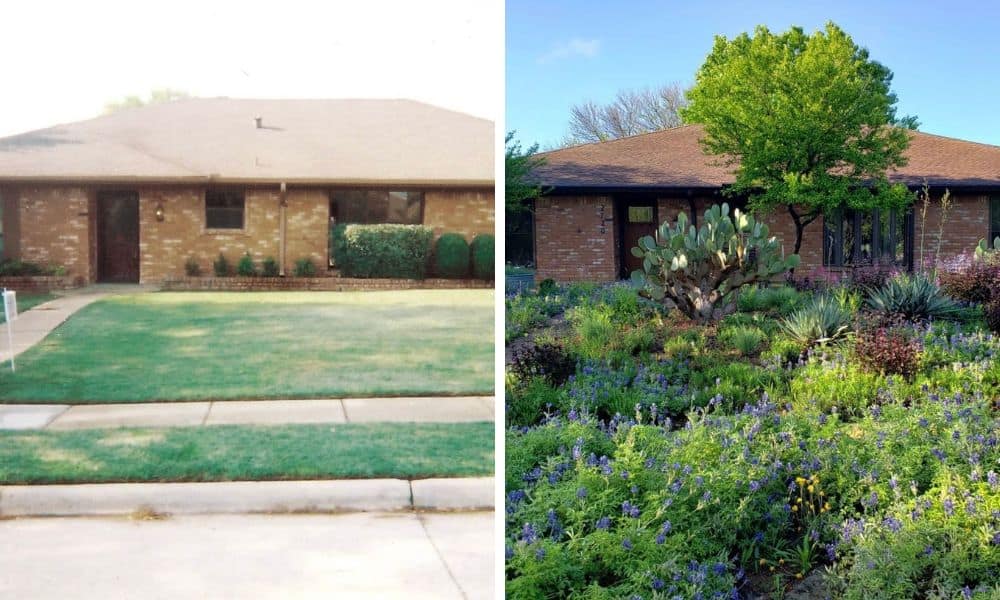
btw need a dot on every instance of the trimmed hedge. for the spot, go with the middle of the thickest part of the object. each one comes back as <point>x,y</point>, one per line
<point>451,256</point>
<point>482,256</point>
<point>385,250</point>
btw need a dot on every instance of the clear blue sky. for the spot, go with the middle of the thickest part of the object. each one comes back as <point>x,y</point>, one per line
<point>945,54</point>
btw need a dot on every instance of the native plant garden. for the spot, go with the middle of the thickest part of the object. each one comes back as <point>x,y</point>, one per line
<point>835,441</point>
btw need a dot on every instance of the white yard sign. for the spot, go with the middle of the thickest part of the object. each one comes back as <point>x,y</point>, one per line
<point>10,313</point>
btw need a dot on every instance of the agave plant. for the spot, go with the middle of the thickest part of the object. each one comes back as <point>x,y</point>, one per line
<point>825,319</point>
<point>912,297</point>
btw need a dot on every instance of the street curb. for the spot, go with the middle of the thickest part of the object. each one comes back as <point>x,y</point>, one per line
<point>245,497</point>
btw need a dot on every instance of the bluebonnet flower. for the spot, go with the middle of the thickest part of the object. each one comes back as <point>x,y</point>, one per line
<point>928,550</point>
<point>528,534</point>
<point>758,537</point>
<point>658,584</point>
<point>966,592</point>
<point>540,553</point>
<point>892,524</point>
<point>627,544</point>
<point>581,492</point>
<point>603,523</point>
<point>660,539</point>
<point>719,568</point>
<point>754,485</point>
<point>630,509</point>
<point>992,479</point>
<point>508,552</point>
<point>949,507</point>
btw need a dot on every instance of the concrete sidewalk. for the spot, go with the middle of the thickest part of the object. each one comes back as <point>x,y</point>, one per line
<point>247,497</point>
<point>409,556</point>
<point>33,325</point>
<point>434,409</point>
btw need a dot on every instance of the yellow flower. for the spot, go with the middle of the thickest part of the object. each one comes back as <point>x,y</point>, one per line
<point>763,562</point>
<point>800,480</point>
<point>795,508</point>
<point>798,575</point>
<point>781,561</point>
<point>810,488</point>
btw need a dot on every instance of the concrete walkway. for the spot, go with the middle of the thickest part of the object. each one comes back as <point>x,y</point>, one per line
<point>33,325</point>
<point>61,417</point>
<point>409,556</point>
<point>247,497</point>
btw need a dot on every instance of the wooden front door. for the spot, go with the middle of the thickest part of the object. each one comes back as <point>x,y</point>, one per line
<point>637,218</point>
<point>118,237</point>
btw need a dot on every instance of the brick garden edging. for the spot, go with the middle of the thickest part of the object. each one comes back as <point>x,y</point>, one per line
<point>40,283</point>
<point>329,284</point>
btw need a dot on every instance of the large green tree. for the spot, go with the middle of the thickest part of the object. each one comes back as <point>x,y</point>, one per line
<point>808,121</point>
<point>520,183</point>
<point>156,96</point>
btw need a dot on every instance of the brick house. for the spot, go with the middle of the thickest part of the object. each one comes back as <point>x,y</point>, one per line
<point>604,196</point>
<point>132,196</point>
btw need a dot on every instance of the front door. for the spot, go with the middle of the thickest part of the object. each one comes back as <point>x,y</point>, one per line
<point>638,219</point>
<point>118,237</point>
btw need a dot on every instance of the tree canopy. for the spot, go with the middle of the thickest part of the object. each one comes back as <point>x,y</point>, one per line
<point>518,165</point>
<point>156,96</point>
<point>808,121</point>
<point>631,112</point>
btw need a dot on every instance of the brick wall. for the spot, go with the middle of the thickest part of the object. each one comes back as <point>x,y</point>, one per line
<point>966,222</point>
<point>570,243</point>
<point>781,226</point>
<point>469,212</point>
<point>55,227</point>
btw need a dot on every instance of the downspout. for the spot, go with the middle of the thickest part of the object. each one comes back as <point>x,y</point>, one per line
<point>282,204</point>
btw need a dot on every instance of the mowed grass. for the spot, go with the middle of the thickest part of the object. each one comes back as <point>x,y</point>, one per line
<point>26,302</point>
<point>200,345</point>
<point>244,453</point>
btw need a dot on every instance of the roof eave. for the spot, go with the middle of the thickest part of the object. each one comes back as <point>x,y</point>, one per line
<point>223,180</point>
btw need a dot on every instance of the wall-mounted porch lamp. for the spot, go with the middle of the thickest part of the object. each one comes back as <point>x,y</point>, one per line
<point>159,211</point>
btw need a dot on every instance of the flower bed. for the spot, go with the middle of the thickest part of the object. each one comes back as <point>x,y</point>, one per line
<point>40,283</point>
<point>316,283</point>
<point>651,457</point>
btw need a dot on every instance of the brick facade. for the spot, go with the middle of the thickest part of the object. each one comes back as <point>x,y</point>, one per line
<point>569,244</point>
<point>575,240</point>
<point>56,225</point>
<point>469,212</point>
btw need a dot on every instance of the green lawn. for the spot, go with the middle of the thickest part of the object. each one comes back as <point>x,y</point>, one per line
<point>27,302</point>
<point>235,452</point>
<point>199,345</point>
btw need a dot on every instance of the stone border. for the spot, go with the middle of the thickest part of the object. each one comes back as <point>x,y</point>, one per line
<point>330,284</point>
<point>247,497</point>
<point>40,283</point>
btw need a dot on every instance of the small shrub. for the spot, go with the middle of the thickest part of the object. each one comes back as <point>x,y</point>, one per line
<point>594,329</point>
<point>972,281</point>
<point>547,361</point>
<point>823,320</point>
<point>385,250</point>
<point>304,267</point>
<point>912,297</point>
<point>192,268</point>
<point>245,267</point>
<point>527,404</point>
<point>482,249</point>
<point>547,287</point>
<point>887,351</point>
<point>746,339</point>
<point>269,268</point>
<point>13,267</point>
<point>220,266</point>
<point>823,386</point>
<point>869,278</point>
<point>451,256</point>
<point>991,315</point>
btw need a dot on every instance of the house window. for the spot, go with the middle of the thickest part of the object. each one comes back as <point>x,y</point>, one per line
<point>224,209</point>
<point>856,238</point>
<point>520,233</point>
<point>994,219</point>
<point>376,206</point>
<point>640,214</point>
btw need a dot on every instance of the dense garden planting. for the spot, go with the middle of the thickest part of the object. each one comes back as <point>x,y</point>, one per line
<point>846,434</point>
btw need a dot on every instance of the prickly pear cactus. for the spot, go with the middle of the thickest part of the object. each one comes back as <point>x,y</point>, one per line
<point>697,271</point>
<point>984,251</point>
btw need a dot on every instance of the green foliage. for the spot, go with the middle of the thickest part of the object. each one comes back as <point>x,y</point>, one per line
<point>245,267</point>
<point>191,267</point>
<point>841,386</point>
<point>809,120</point>
<point>451,256</point>
<point>520,184</point>
<point>698,271</point>
<point>824,320</point>
<point>305,267</point>
<point>13,267</point>
<point>482,256</point>
<point>746,339</point>
<point>269,268</point>
<point>984,252</point>
<point>911,297</point>
<point>384,250</point>
<point>528,403</point>
<point>780,300</point>
<point>221,267</point>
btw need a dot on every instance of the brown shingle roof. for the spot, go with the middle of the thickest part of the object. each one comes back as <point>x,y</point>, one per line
<point>307,141</point>
<point>674,158</point>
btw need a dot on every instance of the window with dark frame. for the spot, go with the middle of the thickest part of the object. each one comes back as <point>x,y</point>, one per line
<point>858,238</point>
<point>224,209</point>
<point>376,206</point>
<point>994,219</point>
<point>520,233</point>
